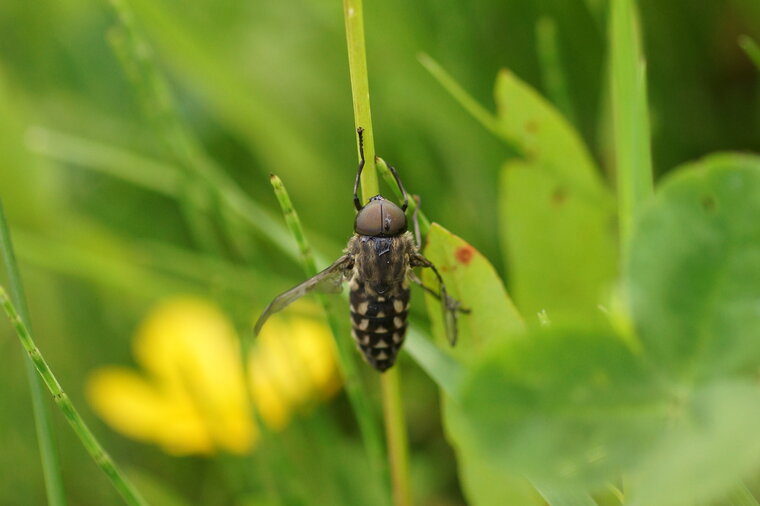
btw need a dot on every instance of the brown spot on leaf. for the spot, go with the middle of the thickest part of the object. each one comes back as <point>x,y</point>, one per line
<point>464,254</point>
<point>708,202</point>
<point>531,126</point>
<point>559,196</point>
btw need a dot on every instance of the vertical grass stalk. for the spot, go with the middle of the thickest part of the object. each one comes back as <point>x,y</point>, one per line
<point>353,12</point>
<point>630,116</point>
<point>395,423</point>
<point>346,357</point>
<point>51,469</point>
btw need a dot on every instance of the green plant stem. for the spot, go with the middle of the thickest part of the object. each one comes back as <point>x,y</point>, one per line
<point>346,355</point>
<point>395,428</point>
<point>391,384</point>
<point>51,469</point>
<point>477,111</point>
<point>353,13</point>
<point>630,116</point>
<point>102,459</point>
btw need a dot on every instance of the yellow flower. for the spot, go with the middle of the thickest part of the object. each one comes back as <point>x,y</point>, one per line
<point>192,397</point>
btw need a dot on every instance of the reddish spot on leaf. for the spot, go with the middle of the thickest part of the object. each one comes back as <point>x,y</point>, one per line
<point>559,196</point>
<point>464,254</point>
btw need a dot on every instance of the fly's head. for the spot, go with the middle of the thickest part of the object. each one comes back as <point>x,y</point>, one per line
<point>380,218</point>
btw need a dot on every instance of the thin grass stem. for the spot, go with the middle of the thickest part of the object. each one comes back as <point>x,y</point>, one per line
<point>477,111</point>
<point>398,446</point>
<point>551,67</point>
<point>136,57</point>
<point>51,469</point>
<point>99,456</point>
<point>353,13</point>
<point>391,383</point>
<point>160,177</point>
<point>21,325</point>
<point>346,356</point>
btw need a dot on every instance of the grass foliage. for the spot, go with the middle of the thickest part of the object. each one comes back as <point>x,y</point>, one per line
<point>590,161</point>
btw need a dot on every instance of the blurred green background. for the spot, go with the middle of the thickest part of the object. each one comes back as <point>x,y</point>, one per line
<point>264,88</point>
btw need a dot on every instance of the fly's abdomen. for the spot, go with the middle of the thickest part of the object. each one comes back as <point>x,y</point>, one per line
<point>379,322</point>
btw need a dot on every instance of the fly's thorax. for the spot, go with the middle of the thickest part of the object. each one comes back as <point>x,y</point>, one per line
<point>378,321</point>
<point>381,262</point>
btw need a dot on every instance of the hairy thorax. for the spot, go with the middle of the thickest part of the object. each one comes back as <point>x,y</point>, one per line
<point>381,262</point>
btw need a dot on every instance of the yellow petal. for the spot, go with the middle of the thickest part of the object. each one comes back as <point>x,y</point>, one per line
<point>141,411</point>
<point>293,364</point>
<point>196,390</point>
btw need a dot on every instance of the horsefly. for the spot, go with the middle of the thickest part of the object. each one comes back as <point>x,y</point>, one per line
<point>378,264</point>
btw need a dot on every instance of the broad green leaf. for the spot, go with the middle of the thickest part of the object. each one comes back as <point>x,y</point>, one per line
<point>711,444</point>
<point>444,370</point>
<point>693,274</point>
<point>545,138</point>
<point>483,482</point>
<point>472,280</point>
<point>567,409</point>
<point>561,248</point>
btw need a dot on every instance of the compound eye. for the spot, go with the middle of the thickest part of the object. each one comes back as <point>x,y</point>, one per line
<point>394,219</point>
<point>369,221</point>
<point>380,218</point>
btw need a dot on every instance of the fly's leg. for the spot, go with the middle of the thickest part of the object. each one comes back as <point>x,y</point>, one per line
<point>451,303</point>
<point>357,202</point>
<point>400,186</point>
<point>419,282</point>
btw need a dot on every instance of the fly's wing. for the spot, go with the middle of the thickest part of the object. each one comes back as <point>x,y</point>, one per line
<point>327,281</point>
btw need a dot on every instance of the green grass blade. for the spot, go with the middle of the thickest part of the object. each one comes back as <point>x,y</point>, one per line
<point>551,67</point>
<point>51,468</point>
<point>160,177</point>
<point>105,159</point>
<point>21,325</point>
<point>99,456</point>
<point>630,115</point>
<point>353,12</point>
<point>355,389</point>
<point>477,111</point>
<point>158,105</point>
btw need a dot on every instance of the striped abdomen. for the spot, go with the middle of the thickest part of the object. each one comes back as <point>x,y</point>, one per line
<point>379,321</point>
